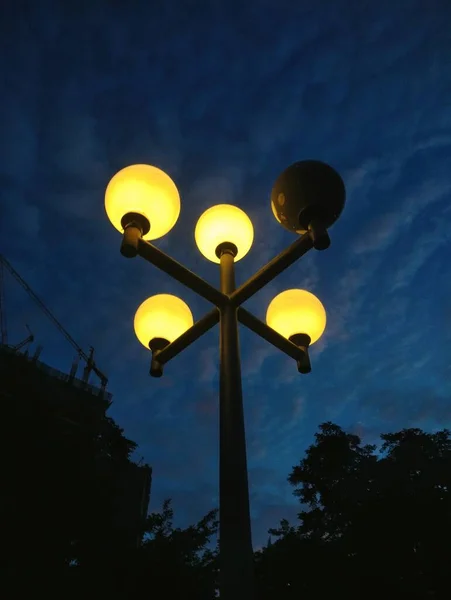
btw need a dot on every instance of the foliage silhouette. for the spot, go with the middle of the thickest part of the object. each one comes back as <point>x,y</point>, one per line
<point>374,522</point>
<point>182,561</point>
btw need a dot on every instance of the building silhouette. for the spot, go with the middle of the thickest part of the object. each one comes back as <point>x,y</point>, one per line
<point>75,408</point>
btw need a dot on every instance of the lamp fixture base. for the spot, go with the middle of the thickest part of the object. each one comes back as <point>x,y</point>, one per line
<point>137,220</point>
<point>135,226</point>
<point>302,341</point>
<point>319,235</point>
<point>226,248</point>
<point>156,345</point>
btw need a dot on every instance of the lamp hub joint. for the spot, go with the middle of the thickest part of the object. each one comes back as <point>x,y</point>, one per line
<point>226,248</point>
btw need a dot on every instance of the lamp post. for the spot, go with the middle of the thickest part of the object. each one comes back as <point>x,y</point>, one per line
<point>143,203</point>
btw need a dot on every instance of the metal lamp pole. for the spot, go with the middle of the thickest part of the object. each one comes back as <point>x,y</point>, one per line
<point>307,198</point>
<point>234,515</point>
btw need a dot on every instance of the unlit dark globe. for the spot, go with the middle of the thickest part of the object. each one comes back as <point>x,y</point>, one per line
<point>308,190</point>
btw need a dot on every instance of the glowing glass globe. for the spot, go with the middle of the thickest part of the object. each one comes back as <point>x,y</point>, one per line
<point>297,311</point>
<point>147,191</point>
<point>162,316</point>
<point>223,223</point>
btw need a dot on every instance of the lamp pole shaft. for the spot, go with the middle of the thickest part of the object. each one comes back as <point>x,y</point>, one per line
<point>235,541</point>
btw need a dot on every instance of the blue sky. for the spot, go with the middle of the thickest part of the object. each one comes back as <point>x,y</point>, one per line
<point>223,96</point>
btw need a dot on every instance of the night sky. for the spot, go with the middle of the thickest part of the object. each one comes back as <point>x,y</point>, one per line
<point>223,95</point>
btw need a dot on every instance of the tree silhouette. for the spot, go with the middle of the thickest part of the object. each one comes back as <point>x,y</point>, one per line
<point>182,563</point>
<point>374,522</point>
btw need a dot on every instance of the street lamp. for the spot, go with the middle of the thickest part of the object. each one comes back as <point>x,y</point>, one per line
<point>143,203</point>
<point>299,316</point>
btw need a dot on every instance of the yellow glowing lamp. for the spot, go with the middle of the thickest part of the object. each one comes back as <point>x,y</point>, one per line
<point>163,317</point>
<point>224,223</point>
<point>146,191</point>
<point>296,312</point>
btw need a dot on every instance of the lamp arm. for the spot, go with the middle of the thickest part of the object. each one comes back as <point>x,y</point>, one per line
<point>189,336</point>
<point>269,334</point>
<point>273,268</point>
<point>183,275</point>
